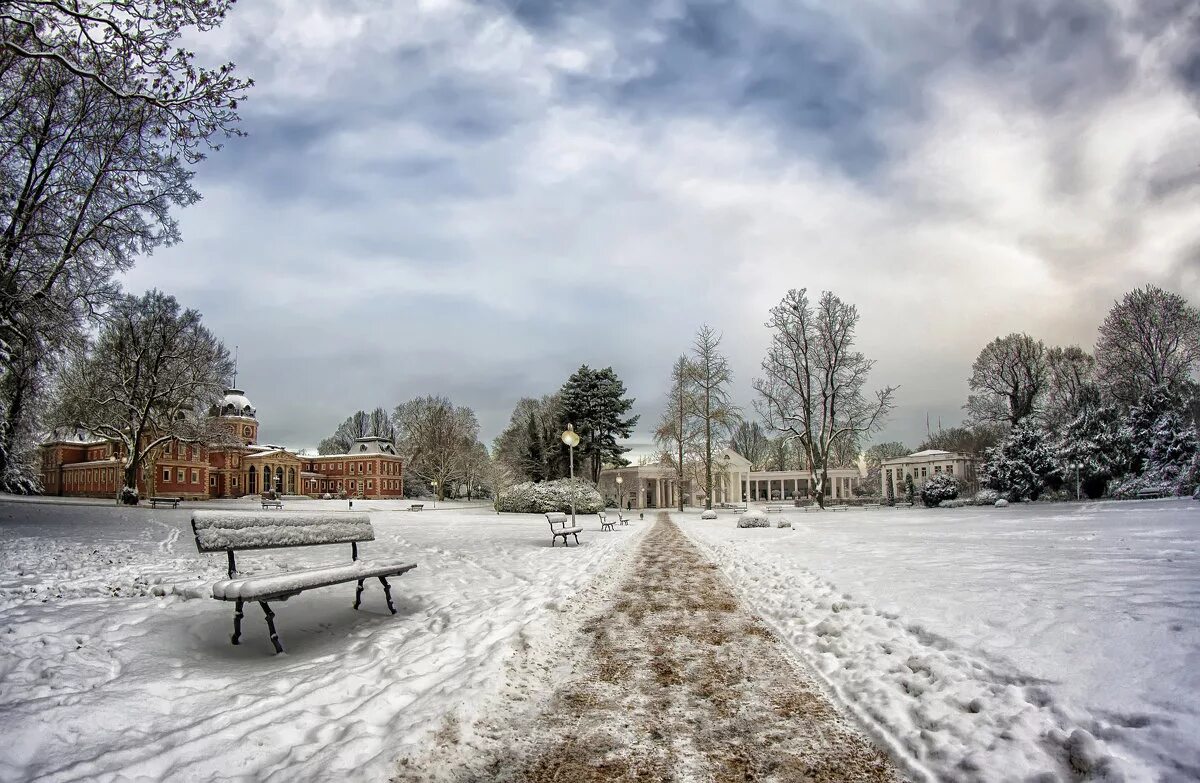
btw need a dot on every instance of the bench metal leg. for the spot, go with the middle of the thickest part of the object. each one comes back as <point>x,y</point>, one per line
<point>271,625</point>
<point>576,539</point>
<point>237,621</point>
<point>358,594</point>
<point>387,591</point>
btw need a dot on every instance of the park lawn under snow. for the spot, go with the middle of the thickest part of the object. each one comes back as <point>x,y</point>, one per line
<point>116,662</point>
<point>1060,640</point>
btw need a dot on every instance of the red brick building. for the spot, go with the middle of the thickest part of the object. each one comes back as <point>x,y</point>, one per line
<point>82,467</point>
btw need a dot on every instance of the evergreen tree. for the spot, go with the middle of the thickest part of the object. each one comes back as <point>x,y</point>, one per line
<point>1023,464</point>
<point>1094,441</point>
<point>594,402</point>
<point>535,457</point>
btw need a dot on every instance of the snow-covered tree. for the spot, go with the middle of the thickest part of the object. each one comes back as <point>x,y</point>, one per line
<point>150,377</point>
<point>813,380</point>
<point>128,50</point>
<point>436,438</point>
<point>1023,464</point>
<point>715,412</point>
<point>1149,340</point>
<point>530,445</point>
<point>1094,441</point>
<point>1008,380</point>
<point>976,439</point>
<point>874,457</point>
<point>594,402</point>
<point>1072,384</point>
<point>1162,440</point>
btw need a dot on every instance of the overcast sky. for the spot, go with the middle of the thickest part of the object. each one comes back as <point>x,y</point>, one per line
<point>473,199</point>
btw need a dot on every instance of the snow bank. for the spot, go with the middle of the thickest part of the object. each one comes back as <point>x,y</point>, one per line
<point>220,530</point>
<point>116,664</point>
<point>1052,640</point>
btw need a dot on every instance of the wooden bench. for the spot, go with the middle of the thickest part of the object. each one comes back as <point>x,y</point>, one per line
<point>842,507</point>
<point>416,507</point>
<point>624,520</point>
<point>811,507</point>
<point>605,522</point>
<point>774,509</point>
<point>1151,492</point>
<point>902,504</point>
<point>272,504</point>
<point>556,533</point>
<point>173,501</point>
<point>870,505</point>
<point>238,531</point>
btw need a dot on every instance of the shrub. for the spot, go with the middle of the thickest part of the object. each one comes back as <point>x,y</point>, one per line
<point>939,487</point>
<point>548,496</point>
<point>326,496</point>
<point>1001,503</point>
<point>957,503</point>
<point>709,514</point>
<point>909,489</point>
<point>754,519</point>
<point>128,496</point>
<point>783,523</point>
<point>986,497</point>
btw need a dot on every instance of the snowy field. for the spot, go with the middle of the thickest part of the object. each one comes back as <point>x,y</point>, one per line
<point>1060,641</point>
<point>116,663</point>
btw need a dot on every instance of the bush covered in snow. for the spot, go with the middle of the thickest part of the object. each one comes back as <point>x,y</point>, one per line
<point>986,497</point>
<point>1022,465</point>
<point>783,523</point>
<point>939,487</point>
<point>546,496</point>
<point>709,514</point>
<point>1001,503</point>
<point>128,496</point>
<point>754,519</point>
<point>954,503</point>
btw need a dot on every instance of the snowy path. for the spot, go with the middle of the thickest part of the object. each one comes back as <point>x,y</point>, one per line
<point>1047,641</point>
<point>115,664</point>
<point>671,680</point>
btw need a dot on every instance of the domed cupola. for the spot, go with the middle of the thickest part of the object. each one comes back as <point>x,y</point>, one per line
<point>235,403</point>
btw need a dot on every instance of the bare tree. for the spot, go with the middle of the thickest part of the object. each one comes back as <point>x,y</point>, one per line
<point>150,377</point>
<point>1009,379</point>
<point>677,432</point>
<point>128,49</point>
<point>749,440</point>
<point>714,409</point>
<point>1072,384</point>
<point>436,437</point>
<point>1149,340</point>
<point>812,384</point>
<point>378,424</point>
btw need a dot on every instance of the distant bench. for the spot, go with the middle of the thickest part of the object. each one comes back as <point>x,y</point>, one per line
<point>774,509</point>
<point>272,504</point>
<point>173,501</point>
<point>605,523</point>
<point>238,531</point>
<point>1151,492</point>
<point>416,507</point>
<point>557,532</point>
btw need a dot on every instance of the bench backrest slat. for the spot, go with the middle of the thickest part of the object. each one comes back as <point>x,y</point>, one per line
<point>220,531</point>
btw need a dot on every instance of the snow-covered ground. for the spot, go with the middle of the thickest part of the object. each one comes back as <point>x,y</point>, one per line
<point>994,644</point>
<point>116,664</point>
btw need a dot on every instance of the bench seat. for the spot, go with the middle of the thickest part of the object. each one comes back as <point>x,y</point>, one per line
<point>261,588</point>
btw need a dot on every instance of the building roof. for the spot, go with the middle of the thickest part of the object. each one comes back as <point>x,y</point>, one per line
<point>928,453</point>
<point>235,403</point>
<point>367,446</point>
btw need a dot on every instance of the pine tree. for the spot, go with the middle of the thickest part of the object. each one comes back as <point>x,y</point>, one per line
<point>594,402</point>
<point>535,460</point>
<point>1022,465</point>
<point>1093,440</point>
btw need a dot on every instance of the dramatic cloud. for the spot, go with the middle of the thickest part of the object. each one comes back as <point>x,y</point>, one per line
<point>474,199</point>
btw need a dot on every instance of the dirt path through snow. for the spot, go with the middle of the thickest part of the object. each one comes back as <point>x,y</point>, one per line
<point>672,681</point>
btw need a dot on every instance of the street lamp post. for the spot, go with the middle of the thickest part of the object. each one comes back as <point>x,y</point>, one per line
<point>1076,466</point>
<point>435,495</point>
<point>620,492</point>
<point>571,438</point>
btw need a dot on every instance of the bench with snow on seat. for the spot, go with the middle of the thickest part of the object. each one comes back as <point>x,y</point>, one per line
<point>268,503</point>
<point>416,507</point>
<point>1152,492</point>
<point>605,523</point>
<point>238,531</point>
<point>774,509</point>
<point>173,501</point>
<point>564,531</point>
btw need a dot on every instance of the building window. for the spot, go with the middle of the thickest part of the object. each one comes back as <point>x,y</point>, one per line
<point>924,472</point>
<point>950,470</point>
<point>235,483</point>
<point>166,474</point>
<point>937,469</point>
<point>212,481</point>
<point>195,476</point>
<point>167,448</point>
<point>180,475</point>
<point>369,483</point>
